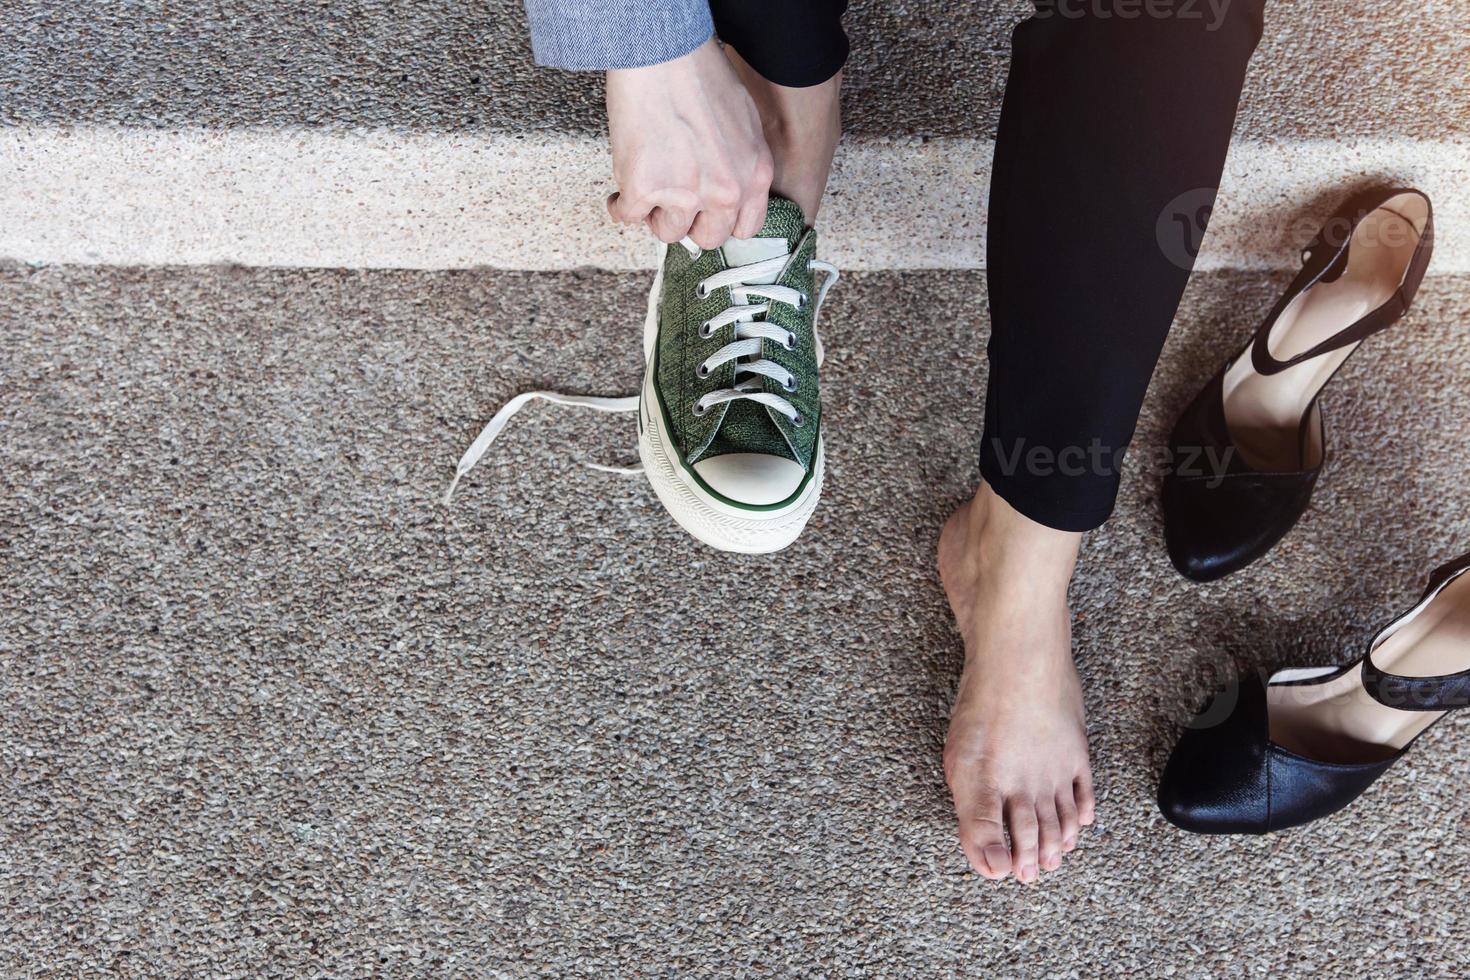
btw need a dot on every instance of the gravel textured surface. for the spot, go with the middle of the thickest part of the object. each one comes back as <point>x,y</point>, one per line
<point>268,709</point>
<point>919,67</point>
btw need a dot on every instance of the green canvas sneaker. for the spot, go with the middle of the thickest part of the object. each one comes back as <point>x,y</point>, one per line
<point>730,415</point>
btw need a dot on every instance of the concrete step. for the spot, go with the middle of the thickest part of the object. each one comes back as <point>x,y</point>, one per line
<point>241,633</point>
<point>417,134</point>
<point>1379,68</point>
<point>386,199</point>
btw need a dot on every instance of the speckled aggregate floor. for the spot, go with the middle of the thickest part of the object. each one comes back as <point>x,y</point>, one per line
<point>270,710</point>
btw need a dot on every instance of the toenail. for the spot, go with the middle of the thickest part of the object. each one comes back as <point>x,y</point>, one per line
<point>1028,873</point>
<point>1069,843</point>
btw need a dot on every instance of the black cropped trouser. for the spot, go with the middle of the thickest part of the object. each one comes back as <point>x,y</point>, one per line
<point>1112,138</point>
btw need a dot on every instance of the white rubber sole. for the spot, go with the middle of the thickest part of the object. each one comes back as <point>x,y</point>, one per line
<point>716,522</point>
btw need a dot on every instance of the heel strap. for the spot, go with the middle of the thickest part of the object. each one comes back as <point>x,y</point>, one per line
<point>1324,263</point>
<point>1443,692</point>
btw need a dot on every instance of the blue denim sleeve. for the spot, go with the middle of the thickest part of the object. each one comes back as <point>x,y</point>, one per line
<point>586,35</point>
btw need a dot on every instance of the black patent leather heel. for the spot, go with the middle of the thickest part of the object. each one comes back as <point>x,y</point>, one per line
<point>1259,415</point>
<point>1309,741</point>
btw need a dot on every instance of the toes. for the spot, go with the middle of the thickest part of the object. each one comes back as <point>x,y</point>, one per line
<point>982,835</point>
<point>997,861</point>
<point>1086,802</point>
<point>1067,819</point>
<point>1021,819</point>
<point>1049,835</point>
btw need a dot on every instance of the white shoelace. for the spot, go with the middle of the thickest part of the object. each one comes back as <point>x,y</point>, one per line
<point>492,428</point>
<point>749,333</point>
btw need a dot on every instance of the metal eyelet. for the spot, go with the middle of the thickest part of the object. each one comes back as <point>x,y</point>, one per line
<point>702,371</point>
<point>799,421</point>
<point>792,385</point>
<point>706,331</point>
<point>701,291</point>
<point>697,410</point>
<point>790,341</point>
<point>803,302</point>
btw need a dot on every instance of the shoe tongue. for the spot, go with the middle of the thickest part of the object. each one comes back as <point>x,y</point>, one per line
<point>778,237</point>
<point>746,251</point>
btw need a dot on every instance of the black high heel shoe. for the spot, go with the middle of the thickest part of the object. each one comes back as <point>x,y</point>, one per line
<point>1259,415</point>
<point>1308,742</point>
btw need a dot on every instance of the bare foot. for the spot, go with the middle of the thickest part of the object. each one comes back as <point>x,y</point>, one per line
<point>1016,754</point>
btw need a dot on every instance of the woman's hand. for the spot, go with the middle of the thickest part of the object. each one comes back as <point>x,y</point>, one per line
<point>689,154</point>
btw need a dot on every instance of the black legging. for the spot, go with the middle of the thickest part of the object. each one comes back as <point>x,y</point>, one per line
<point>1115,125</point>
<point>790,42</point>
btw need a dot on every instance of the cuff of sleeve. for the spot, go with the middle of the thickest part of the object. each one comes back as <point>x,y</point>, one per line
<point>629,35</point>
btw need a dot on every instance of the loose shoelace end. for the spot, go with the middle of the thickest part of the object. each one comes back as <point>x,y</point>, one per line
<point>449,494</point>
<point>492,428</point>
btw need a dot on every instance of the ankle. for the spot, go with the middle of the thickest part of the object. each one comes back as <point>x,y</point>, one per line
<point>802,127</point>
<point>1014,551</point>
<point>801,162</point>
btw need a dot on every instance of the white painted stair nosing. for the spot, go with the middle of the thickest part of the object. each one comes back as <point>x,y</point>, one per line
<point>383,199</point>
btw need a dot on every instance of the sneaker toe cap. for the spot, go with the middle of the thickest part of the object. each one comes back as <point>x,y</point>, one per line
<point>755,479</point>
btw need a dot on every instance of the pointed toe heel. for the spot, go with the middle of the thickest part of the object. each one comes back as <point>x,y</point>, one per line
<point>1257,422</point>
<point>1267,756</point>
